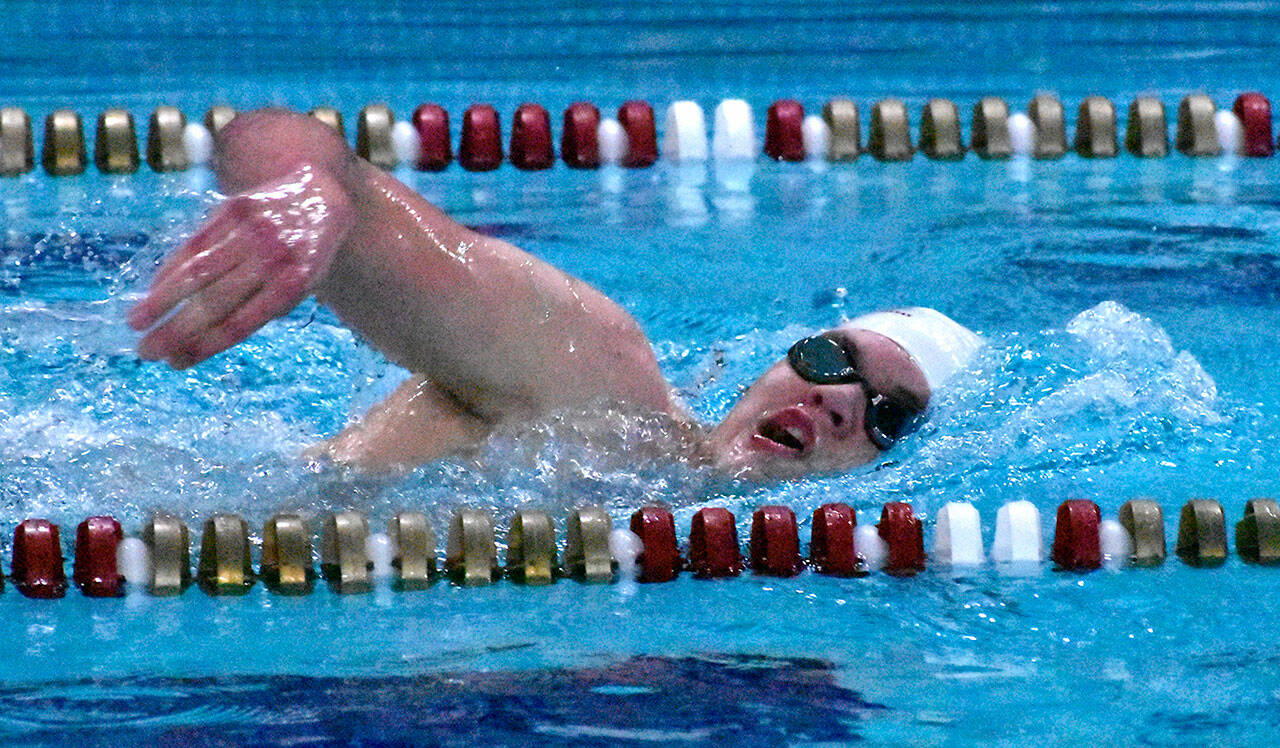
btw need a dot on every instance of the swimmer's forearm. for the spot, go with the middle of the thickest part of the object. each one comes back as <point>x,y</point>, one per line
<point>415,424</point>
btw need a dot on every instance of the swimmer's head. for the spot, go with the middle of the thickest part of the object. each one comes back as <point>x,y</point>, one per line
<point>841,398</point>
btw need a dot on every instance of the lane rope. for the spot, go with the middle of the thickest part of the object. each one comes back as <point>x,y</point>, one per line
<point>354,559</point>
<point>630,138</point>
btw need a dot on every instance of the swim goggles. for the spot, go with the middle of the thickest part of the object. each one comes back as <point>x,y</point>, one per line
<point>821,360</point>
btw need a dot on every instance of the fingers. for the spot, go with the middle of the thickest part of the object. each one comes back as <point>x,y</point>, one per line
<point>202,312</point>
<point>185,279</point>
<point>273,299</point>
<point>226,220</point>
<point>214,249</point>
<point>237,273</point>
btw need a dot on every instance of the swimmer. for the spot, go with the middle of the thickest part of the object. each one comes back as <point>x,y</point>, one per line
<point>491,334</point>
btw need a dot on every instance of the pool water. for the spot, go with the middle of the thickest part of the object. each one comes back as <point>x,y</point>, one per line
<point>1130,308</point>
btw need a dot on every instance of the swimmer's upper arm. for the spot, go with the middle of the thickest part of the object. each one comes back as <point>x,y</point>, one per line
<point>416,423</point>
<point>504,332</point>
<point>492,326</point>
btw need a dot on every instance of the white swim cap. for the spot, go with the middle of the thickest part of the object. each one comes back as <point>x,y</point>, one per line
<point>938,344</point>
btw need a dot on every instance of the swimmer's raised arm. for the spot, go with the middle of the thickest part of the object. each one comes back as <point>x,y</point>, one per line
<point>263,251</point>
<point>499,332</point>
<point>492,333</point>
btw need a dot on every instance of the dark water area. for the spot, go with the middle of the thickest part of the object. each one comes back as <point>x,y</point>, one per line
<point>735,700</point>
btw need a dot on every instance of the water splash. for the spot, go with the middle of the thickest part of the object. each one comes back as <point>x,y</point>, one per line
<point>85,427</point>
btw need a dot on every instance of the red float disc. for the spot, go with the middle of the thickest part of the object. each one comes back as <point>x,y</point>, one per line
<point>579,144</point>
<point>904,534</point>
<point>432,123</point>
<point>481,148</point>
<point>660,560</point>
<point>37,559</point>
<point>1076,545</point>
<point>831,548</point>
<point>775,542</point>
<point>636,118</point>
<point>713,544</point>
<point>95,564</point>
<point>531,138</point>
<point>1254,112</point>
<point>784,131</point>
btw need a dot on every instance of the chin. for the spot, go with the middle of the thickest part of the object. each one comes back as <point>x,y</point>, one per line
<point>763,471</point>
<point>745,463</point>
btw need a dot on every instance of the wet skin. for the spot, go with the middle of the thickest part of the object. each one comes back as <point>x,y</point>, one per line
<point>786,427</point>
<point>490,333</point>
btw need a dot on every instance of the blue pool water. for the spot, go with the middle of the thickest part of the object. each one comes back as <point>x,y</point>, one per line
<point>1131,309</point>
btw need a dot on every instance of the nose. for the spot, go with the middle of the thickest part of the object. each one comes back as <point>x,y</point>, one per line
<point>844,404</point>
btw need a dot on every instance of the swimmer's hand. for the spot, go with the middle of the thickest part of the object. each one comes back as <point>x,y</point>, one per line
<point>261,254</point>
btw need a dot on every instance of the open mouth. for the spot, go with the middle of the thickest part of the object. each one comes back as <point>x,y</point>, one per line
<point>787,432</point>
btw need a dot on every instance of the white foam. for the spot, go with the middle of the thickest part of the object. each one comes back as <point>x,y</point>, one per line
<point>734,136</point>
<point>1139,366</point>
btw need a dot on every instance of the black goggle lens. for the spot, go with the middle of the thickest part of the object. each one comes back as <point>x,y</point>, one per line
<point>822,361</point>
<point>887,421</point>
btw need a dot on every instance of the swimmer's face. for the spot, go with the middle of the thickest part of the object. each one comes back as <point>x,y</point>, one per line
<point>786,427</point>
